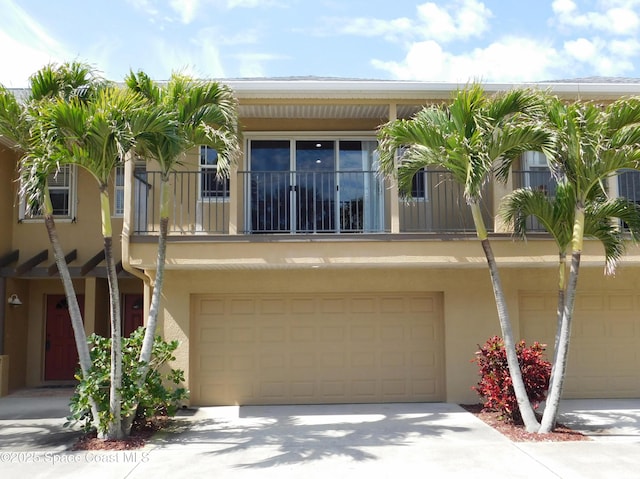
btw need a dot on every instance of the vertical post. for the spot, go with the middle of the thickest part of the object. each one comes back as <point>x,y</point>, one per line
<point>499,191</point>
<point>394,197</point>
<point>235,189</point>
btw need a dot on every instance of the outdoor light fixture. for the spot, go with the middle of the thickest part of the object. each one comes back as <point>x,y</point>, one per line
<point>14,300</point>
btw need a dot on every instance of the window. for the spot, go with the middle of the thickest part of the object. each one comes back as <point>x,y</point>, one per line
<point>537,173</point>
<point>61,192</point>
<point>118,192</point>
<point>418,185</point>
<point>211,184</point>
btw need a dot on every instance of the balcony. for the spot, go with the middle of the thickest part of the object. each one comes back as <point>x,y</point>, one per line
<point>302,202</point>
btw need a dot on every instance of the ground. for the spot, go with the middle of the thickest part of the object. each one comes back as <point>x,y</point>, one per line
<point>141,432</point>
<point>518,433</point>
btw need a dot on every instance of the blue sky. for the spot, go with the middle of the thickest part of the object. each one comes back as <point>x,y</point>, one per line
<point>453,40</point>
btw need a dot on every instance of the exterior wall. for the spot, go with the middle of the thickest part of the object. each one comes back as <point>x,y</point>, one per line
<point>469,309</point>
<point>16,333</point>
<point>84,234</point>
<point>8,159</point>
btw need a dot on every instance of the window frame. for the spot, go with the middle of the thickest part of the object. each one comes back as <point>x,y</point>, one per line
<point>224,193</point>
<point>71,188</point>
<point>118,191</point>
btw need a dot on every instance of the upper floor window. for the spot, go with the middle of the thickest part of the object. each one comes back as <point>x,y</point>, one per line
<point>61,192</point>
<point>418,185</point>
<point>536,174</point>
<point>211,184</point>
<point>118,192</point>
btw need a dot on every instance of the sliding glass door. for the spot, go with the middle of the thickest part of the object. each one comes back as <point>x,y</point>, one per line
<point>313,186</point>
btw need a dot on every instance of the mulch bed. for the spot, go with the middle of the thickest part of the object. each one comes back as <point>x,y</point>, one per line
<point>518,433</point>
<point>140,434</point>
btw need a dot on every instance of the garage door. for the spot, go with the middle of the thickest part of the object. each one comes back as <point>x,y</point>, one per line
<point>604,357</point>
<point>306,349</point>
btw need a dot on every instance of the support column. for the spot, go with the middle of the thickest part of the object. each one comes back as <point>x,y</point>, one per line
<point>235,190</point>
<point>500,190</point>
<point>394,197</point>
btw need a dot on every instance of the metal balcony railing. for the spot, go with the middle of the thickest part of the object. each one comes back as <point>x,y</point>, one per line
<point>312,202</point>
<point>199,203</point>
<point>437,205</point>
<point>538,179</point>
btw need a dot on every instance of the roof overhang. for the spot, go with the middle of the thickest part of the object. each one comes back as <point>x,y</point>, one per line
<point>411,90</point>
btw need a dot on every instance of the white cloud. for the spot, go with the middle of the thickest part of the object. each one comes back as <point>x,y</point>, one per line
<point>461,19</point>
<point>616,20</point>
<point>457,20</point>
<point>582,49</point>
<point>253,64</point>
<point>145,6</point>
<point>604,58</point>
<point>186,9</point>
<point>508,60</point>
<point>26,46</point>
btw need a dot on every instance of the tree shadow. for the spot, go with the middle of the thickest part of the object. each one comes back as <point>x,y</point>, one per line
<point>608,418</point>
<point>29,436</point>
<point>289,435</point>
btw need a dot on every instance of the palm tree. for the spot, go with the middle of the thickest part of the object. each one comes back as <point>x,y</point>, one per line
<point>590,144</point>
<point>18,122</point>
<point>95,136</point>
<point>470,137</point>
<point>205,113</point>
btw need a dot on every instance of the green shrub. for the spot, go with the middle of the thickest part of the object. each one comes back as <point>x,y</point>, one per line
<point>153,398</point>
<point>495,386</point>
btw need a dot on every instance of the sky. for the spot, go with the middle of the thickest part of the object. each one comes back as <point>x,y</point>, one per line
<point>440,40</point>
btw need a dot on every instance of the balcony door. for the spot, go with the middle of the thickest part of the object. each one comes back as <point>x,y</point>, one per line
<point>313,186</point>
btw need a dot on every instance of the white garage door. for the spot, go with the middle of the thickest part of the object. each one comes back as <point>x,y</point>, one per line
<point>604,358</point>
<point>305,349</point>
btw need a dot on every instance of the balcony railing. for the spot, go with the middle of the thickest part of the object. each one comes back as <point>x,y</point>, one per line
<point>438,206</point>
<point>312,202</point>
<point>335,202</point>
<point>539,179</point>
<point>196,206</point>
<point>302,202</point>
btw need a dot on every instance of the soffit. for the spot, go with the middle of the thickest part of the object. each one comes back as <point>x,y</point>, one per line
<point>324,111</point>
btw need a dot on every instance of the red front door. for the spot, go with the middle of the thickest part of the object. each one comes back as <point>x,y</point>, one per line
<point>61,355</point>
<point>133,310</point>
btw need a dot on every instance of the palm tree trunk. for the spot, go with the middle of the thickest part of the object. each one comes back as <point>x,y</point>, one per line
<point>75,314</point>
<point>552,406</point>
<point>114,430</point>
<point>526,410</point>
<point>152,320</point>
<point>77,324</point>
<point>562,287</point>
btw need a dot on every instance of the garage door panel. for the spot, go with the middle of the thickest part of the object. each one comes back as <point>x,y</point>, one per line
<point>313,349</point>
<point>603,358</point>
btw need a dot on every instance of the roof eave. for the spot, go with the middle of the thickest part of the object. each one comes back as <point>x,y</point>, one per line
<point>399,90</point>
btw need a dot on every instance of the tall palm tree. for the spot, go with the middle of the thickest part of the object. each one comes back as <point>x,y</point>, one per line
<point>470,137</point>
<point>95,136</point>
<point>19,123</point>
<point>205,113</point>
<point>590,144</point>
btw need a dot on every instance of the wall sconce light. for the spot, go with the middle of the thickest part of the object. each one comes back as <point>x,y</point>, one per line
<point>14,300</point>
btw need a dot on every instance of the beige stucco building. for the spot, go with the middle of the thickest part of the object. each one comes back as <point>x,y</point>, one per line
<point>304,278</point>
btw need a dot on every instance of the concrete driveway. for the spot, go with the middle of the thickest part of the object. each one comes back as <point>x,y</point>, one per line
<point>330,441</point>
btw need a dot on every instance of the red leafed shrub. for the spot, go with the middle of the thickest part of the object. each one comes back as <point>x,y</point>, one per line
<point>495,386</point>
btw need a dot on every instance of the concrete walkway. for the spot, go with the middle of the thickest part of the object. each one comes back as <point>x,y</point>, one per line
<point>332,441</point>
